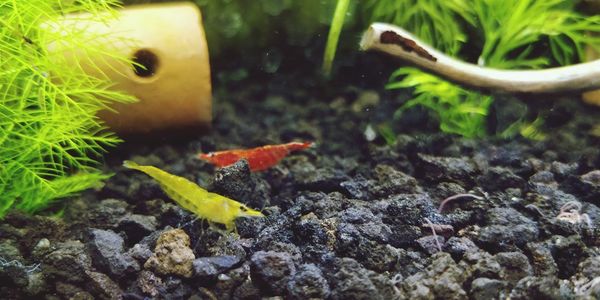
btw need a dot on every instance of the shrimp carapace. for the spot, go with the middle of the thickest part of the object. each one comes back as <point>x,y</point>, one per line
<point>206,205</point>
<point>260,158</point>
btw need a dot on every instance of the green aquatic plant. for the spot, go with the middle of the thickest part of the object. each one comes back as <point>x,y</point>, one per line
<point>334,34</point>
<point>460,111</point>
<point>516,33</point>
<point>504,34</point>
<point>49,133</point>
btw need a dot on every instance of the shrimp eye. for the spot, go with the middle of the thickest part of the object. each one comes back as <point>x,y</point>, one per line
<point>243,208</point>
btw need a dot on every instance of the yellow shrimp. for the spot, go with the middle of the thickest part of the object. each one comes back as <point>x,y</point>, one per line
<point>210,206</point>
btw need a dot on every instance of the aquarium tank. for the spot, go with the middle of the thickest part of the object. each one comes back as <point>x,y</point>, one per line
<point>317,149</point>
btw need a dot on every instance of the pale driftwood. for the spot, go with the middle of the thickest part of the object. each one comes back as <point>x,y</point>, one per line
<point>403,45</point>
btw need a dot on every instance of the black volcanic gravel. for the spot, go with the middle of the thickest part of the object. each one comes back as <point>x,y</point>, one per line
<point>345,219</point>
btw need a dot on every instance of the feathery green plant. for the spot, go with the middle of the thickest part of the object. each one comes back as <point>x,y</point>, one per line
<point>460,111</point>
<point>505,34</point>
<point>49,132</point>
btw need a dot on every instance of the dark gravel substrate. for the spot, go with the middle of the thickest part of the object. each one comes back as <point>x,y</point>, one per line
<point>347,219</point>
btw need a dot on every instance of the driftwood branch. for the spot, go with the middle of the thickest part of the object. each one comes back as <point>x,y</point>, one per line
<point>399,43</point>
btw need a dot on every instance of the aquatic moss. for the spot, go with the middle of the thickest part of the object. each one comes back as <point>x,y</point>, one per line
<point>50,136</point>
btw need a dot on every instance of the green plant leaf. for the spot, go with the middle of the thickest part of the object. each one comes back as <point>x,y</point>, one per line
<point>50,136</point>
<point>334,34</point>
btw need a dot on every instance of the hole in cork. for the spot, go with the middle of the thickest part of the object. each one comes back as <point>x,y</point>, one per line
<point>145,63</point>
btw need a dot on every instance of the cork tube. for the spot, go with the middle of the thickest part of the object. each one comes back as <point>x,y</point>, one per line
<point>173,87</point>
